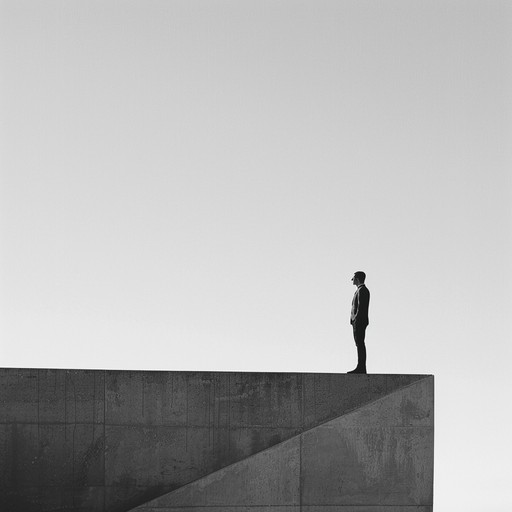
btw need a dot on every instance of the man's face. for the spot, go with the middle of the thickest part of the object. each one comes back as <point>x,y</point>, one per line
<point>355,281</point>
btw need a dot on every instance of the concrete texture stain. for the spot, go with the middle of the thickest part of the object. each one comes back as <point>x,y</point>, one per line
<point>412,410</point>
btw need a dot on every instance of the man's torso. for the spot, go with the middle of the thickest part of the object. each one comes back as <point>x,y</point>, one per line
<point>360,304</point>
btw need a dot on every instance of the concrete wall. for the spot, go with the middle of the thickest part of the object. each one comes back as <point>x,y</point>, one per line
<point>379,457</point>
<point>85,440</point>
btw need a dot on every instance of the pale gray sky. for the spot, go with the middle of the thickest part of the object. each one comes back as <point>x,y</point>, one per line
<point>191,185</point>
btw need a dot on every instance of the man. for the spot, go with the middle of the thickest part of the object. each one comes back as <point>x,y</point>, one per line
<point>359,319</point>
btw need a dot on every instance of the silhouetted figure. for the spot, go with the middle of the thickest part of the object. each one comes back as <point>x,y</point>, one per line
<point>359,319</point>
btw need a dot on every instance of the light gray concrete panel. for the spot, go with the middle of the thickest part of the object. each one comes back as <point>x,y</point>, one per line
<point>269,478</point>
<point>367,466</point>
<point>18,395</point>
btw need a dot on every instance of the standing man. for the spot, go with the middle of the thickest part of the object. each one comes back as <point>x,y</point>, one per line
<point>359,319</point>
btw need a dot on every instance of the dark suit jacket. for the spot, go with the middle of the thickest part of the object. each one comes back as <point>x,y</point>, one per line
<point>360,304</point>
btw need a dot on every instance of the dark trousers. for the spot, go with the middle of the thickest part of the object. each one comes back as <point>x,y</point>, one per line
<point>359,333</point>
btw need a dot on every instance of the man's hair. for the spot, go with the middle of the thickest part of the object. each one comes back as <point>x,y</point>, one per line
<point>360,275</point>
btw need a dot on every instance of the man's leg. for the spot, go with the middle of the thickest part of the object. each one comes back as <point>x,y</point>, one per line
<point>359,335</point>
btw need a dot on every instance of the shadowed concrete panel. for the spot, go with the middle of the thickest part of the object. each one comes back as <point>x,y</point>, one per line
<point>379,457</point>
<point>71,396</point>
<point>19,395</point>
<point>19,452</point>
<point>71,454</point>
<point>160,452</point>
<point>202,399</point>
<point>51,396</point>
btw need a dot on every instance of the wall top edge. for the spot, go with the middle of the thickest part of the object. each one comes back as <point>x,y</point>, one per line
<point>210,372</point>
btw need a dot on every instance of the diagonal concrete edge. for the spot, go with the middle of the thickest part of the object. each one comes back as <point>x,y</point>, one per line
<point>383,450</point>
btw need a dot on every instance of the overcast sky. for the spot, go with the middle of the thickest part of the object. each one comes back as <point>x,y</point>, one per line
<point>190,185</point>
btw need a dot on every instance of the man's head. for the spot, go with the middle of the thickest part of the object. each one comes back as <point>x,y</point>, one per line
<point>359,278</point>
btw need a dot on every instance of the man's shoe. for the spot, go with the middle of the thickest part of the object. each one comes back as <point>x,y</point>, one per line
<point>358,370</point>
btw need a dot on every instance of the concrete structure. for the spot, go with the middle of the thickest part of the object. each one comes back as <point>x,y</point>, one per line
<point>85,440</point>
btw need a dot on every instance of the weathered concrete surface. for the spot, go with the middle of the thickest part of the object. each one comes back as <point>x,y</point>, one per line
<point>380,454</point>
<point>379,457</point>
<point>90,440</point>
<point>271,477</point>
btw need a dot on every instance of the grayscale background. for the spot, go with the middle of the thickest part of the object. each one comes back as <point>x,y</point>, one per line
<point>190,185</point>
